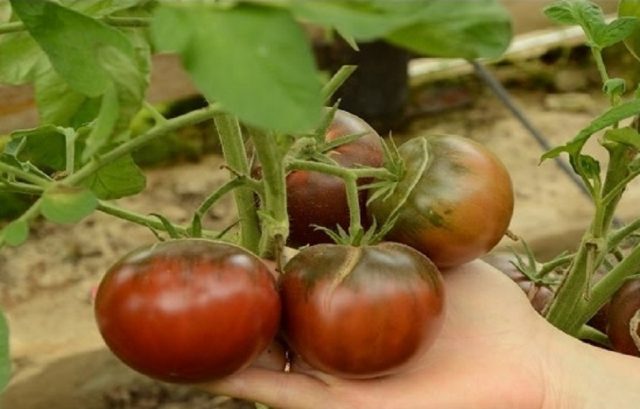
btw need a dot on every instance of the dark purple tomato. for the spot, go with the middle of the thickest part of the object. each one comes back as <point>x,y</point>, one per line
<point>462,203</point>
<point>624,318</point>
<point>361,312</point>
<point>315,198</point>
<point>188,310</point>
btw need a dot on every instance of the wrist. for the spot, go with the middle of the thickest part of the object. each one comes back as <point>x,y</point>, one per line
<point>588,377</point>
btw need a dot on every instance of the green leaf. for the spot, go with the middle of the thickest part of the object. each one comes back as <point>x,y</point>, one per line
<point>118,179</point>
<point>45,147</point>
<point>560,12</point>
<point>58,103</point>
<point>21,59</point>
<point>102,130</point>
<point>631,8</point>
<point>15,233</point>
<point>612,116</point>
<point>584,13</point>
<point>362,20</point>
<point>246,53</point>
<point>72,42</point>
<point>617,31</point>
<point>589,167</point>
<point>100,8</point>
<point>614,86</point>
<point>471,29</point>
<point>130,83</point>
<point>626,135</point>
<point>66,205</point>
<point>5,361</point>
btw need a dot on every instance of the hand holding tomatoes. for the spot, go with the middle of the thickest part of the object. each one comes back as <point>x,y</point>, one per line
<point>494,352</point>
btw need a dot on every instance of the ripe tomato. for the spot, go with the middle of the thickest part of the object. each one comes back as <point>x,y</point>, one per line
<point>624,318</point>
<point>188,310</point>
<point>360,312</point>
<point>315,198</point>
<point>461,205</point>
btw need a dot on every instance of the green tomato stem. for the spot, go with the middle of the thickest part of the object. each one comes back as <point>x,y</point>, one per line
<point>236,156</point>
<point>570,295</point>
<point>378,173</point>
<point>18,26</point>
<point>588,333</point>
<point>275,221</point>
<point>70,151</point>
<point>24,175</point>
<point>17,187</point>
<point>12,27</point>
<point>191,118</point>
<point>610,283</point>
<point>221,191</point>
<point>356,231</point>
<point>619,235</point>
<point>337,80</point>
<point>146,221</point>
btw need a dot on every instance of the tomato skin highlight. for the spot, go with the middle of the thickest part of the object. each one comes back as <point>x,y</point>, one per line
<point>624,311</point>
<point>188,310</point>
<point>315,198</point>
<point>361,312</point>
<point>461,206</point>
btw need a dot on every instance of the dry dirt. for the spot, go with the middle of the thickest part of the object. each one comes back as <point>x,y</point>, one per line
<point>45,285</point>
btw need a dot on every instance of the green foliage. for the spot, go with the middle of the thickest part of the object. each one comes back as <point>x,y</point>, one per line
<point>471,29</point>
<point>607,119</point>
<point>626,135</point>
<point>118,179</point>
<point>44,147</point>
<point>246,53</point>
<point>65,205</point>
<point>631,8</point>
<point>15,233</point>
<point>590,17</point>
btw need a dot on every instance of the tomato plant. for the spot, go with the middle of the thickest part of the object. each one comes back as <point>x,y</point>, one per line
<point>319,199</point>
<point>460,206</point>
<point>188,310</point>
<point>624,318</point>
<point>361,312</point>
<point>539,294</point>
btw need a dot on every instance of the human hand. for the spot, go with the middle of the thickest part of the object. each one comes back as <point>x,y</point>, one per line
<point>494,352</point>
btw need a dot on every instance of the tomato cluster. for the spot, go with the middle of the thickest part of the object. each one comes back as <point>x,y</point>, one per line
<point>192,310</point>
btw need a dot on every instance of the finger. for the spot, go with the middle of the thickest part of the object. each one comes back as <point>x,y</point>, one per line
<point>273,358</point>
<point>276,389</point>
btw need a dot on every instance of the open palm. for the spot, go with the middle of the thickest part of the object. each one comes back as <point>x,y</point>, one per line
<point>493,353</point>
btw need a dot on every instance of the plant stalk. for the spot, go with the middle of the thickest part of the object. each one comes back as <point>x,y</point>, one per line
<point>236,157</point>
<point>275,223</point>
<point>191,118</point>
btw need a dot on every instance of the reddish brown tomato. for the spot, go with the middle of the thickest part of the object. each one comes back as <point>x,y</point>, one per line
<point>315,198</point>
<point>361,312</point>
<point>461,205</point>
<point>624,318</point>
<point>188,310</point>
